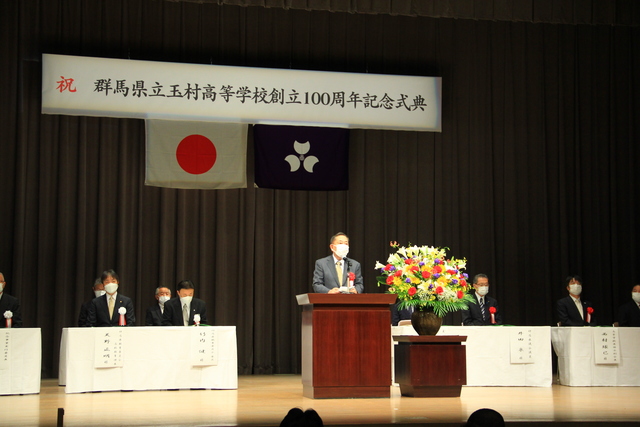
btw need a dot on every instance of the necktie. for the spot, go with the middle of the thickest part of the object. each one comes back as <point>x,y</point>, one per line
<point>185,315</point>
<point>339,271</point>
<point>484,315</point>
<point>111,305</point>
<point>579,305</point>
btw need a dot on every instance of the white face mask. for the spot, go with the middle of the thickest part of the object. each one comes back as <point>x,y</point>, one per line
<point>342,250</point>
<point>1,287</point>
<point>111,288</point>
<point>163,299</point>
<point>99,293</point>
<point>636,296</point>
<point>483,290</point>
<point>185,300</point>
<point>575,289</point>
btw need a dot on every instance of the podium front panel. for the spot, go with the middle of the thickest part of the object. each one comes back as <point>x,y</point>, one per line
<point>346,345</point>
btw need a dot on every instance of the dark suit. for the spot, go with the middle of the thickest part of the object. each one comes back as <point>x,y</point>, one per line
<point>629,314</point>
<point>7,302</point>
<point>325,276</point>
<point>398,315</point>
<point>473,315</point>
<point>154,315</point>
<point>173,312</point>
<point>84,313</point>
<point>568,313</point>
<point>99,311</point>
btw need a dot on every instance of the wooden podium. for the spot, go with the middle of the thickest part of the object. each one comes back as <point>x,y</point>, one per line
<point>346,345</point>
<point>431,366</point>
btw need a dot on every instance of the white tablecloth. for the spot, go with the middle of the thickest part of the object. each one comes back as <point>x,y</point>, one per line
<point>576,347</point>
<point>153,358</point>
<point>489,358</point>
<point>21,360</point>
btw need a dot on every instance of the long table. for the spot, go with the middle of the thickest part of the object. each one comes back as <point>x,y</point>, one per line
<point>148,358</point>
<point>502,355</point>
<point>20,360</point>
<point>603,356</point>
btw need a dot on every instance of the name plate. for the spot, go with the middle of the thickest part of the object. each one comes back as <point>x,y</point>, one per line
<point>605,345</point>
<point>522,346</point>
<point>108,348</point>
<point>204,346</point>
<point>5,361</point>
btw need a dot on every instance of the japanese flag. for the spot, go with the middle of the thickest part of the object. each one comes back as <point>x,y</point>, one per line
<point>199,155</point>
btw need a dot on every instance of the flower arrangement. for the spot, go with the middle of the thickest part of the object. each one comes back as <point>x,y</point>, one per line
<point>424,278</point>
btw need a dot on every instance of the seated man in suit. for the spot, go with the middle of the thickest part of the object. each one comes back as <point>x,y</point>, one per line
<point>479,314</point>
<point>155,311</point>
<point>105,310</point>
<point>397,314</point>
<point>10,304</point>
<point>331,274</point>
<point>629,313</point>
<point>180,311</point>
<point>572,310</point>
<point>98,291</point>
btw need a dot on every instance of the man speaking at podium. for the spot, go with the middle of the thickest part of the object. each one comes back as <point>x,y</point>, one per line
<point>336,273</point>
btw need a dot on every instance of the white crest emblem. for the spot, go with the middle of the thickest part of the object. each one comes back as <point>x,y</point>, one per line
<point>294,161</point>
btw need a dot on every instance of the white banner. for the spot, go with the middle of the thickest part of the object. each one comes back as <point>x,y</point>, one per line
<point>87,86</point>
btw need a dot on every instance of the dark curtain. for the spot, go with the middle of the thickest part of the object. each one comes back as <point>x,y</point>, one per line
<point>533,177</point>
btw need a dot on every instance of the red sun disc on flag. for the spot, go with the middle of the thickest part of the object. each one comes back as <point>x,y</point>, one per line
<point>196,154</point>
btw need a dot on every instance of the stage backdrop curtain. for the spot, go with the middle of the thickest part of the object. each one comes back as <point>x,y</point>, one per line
<point>533,177</point>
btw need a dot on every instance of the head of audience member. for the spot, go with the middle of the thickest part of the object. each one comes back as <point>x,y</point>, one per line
<point>485,418</point>
<point>185,290</point>
<point>98,287</point>
<point>2,283</point>
<point>297,418</point>
<point>635,294</point>
<point>574,285</point>
<point>110,280</point>
<point>339,245</point>
<point>481,284</point>
<point>163,294</point>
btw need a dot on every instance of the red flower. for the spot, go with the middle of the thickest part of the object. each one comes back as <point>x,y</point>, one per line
<point>389,280</point>
<point>398,273</point>
<point>414,268</point>
<point>352,275</point>
<point>437,269</point>
<point>460,294</point>
<point>412,291</point>
<point>590,310</point>
<point>492,310</point>
<point>426,274</point>
<point>408,261</point>
<point>463,283</point>
<point>451,272</point>
<point>388,267</point>
<point>439,290</point>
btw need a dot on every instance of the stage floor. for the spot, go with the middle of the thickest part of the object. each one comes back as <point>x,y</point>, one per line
<point>264,400</point>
